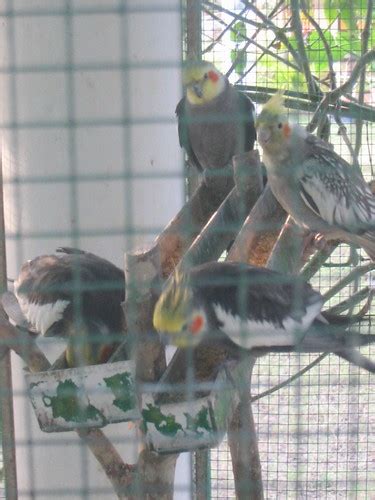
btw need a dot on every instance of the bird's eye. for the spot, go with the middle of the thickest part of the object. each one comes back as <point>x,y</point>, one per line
<point>205,76</point>
<point>184,327</point>
<point>280,125</point>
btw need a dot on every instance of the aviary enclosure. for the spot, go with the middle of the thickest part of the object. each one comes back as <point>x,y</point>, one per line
<point>81,76</point>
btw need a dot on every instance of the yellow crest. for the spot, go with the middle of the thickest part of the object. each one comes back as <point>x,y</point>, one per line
<point>171,308</point>
<point>275,105</point>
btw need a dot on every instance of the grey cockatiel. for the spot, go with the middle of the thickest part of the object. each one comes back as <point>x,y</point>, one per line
<point>251,309</point>
<point>317,187</point>
<point>76,295</point>
<point>215,121</point>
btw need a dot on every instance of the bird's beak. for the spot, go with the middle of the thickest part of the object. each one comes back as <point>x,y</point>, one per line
<point>263,135</point>
<point>197,89</point>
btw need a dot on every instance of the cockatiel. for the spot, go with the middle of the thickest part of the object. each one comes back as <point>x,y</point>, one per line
<point>77,295</point>
<point>317,187</point>
<point>257,309</point>
<point>215,121</point>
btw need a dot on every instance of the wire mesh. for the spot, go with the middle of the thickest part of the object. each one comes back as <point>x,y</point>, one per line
<point>315,436</point>
<point>91,159</point>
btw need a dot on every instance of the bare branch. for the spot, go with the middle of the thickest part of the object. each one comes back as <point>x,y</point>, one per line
<point>252,41</point>
<point>353,275</point>
<point>243,444</point>
<point>259,232</point>
<point>316,262</point>
<point>278,31</point>
<point>287,252</point>
<point>334,95</point>
<point>291,379</point>
<point>297,28</point>
<point>352,301</point>
<point>228,27</point>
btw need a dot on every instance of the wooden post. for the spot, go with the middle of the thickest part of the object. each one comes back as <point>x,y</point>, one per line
<point>243,444</point>
<point>6,394</point>
<point>260,231</point>
<point>286,255</point>
<point>156,472</point>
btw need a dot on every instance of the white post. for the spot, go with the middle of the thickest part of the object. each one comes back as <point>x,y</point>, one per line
<point>87,102</point>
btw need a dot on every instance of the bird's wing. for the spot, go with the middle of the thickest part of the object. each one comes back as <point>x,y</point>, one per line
<point>248,110</point>
<point>336,191</point>
<point>49,284</point>
<point>13,310</point>
<point>183,134</point>
<point>257,307</point>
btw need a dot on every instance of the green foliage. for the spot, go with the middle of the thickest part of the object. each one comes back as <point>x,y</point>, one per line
<point>349,12</point>
<point>238,32</point>
<point>238,54</point>
<point>345,19</point>
<point>276,74</point>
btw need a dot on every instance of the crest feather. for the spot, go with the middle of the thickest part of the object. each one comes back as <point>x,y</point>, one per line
<point>275,105</point>
<point>177,292</point>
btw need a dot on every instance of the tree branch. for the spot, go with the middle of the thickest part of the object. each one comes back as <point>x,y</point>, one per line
<point>312,87</point>
<point>332,96</point>
<point>119,474</point>
<point>362,79</point>
<point>353,275</point>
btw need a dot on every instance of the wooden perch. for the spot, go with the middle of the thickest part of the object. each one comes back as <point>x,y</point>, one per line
<point>259,232</point>
<point>182,230</point>
<point>156,472</point>
<point>287,253</point>
<point>224,225</point>
<point>206,359</point>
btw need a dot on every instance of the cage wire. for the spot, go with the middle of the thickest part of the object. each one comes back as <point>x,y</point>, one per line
<point>315,433</point>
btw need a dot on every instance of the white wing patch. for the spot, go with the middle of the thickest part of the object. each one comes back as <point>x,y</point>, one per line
<point>42,316</point>
<point>249,334</point>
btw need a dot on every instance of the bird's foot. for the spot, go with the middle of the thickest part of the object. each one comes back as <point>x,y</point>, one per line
<point>312,243</point>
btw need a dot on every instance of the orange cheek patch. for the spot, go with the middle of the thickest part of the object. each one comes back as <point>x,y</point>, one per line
<point>196,325</point>
<point>213,76</point>
<point>286,130</point>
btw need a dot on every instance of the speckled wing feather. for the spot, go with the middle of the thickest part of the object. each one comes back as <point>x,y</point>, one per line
<point>336,191</point>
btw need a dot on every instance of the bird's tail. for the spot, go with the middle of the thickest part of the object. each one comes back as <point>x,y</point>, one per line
<point>367,242</point>
<point>323,337</point>
<point>358,359</point>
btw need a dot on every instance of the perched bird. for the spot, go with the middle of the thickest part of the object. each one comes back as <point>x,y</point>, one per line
<point>215,121</point>
<point>257,309</point>
<point>317,187</point>
<point>77,295</point>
